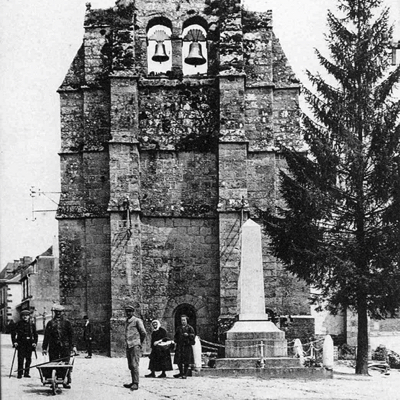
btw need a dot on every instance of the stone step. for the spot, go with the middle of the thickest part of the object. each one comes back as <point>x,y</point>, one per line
<point>273,362</point>
<point>267,373</point>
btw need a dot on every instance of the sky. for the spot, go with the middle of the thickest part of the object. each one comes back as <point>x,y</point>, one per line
<point>38,41</point>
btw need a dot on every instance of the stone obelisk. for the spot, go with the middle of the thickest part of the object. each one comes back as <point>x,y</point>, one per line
<point>253,330</point>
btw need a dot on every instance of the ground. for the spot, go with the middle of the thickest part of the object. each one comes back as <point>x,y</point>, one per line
<point>101,378</point>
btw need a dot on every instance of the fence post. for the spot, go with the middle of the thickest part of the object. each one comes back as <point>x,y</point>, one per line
<point>327,353</point>
<point>298,350</point>
<point>262,363</point>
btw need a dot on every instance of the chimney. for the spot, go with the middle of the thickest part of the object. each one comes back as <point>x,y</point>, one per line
<point>17,263</point>
<point>26,260</point>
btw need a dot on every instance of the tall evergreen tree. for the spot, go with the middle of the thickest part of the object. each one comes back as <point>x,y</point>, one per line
<point>339,228</point>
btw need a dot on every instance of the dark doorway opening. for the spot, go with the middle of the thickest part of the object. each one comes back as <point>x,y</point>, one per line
<point>185,309</point>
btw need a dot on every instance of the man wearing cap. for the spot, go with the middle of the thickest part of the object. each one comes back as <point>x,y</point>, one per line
<point>24,339</point>
<point>58,337</point>
<point>135,334</point>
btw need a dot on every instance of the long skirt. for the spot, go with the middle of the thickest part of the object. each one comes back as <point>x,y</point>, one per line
<point>160,359</point>
<point>183,354</point>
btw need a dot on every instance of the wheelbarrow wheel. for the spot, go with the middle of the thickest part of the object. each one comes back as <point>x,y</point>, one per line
<point>53,382</point>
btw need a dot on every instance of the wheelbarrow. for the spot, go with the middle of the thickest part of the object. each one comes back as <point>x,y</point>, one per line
<point>56,373</point>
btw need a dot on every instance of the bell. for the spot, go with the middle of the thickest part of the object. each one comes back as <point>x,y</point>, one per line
<point>160,55</point>
<point>195,56</point>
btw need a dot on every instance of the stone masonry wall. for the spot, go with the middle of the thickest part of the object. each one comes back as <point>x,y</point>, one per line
<point>124,111</point>
<point>178,116</point>
<point>84,228</point>
<point>71,115</point>
<point>180,260</point>
<point>96,113</point>
<point>44,285</point>
<point>285,115</point>
<point>258,48</point>
<point>261,175</point>
<point>178,184</point>
<point>84,185</point>
<point>259,119</point>
<point>232,154</point>
<point>126,273</point>
<point>84,279</point>
<point>72,269</point>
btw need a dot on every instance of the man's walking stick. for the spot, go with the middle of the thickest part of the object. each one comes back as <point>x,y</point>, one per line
<point>12,364</point>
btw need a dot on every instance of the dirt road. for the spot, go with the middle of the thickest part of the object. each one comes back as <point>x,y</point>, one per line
<point>101,378</point>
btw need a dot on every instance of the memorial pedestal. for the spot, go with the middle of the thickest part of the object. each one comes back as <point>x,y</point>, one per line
<point>255,339</point>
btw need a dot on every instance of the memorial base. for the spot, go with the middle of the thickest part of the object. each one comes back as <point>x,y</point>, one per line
<point>255,339</point>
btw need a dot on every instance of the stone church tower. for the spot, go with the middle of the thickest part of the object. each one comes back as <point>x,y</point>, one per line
<point>171,116</point>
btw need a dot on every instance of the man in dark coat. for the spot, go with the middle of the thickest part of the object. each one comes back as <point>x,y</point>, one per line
<point>24,338</point>
<point>87,336</point>
<point>184,339</point>
<point>58,337</point>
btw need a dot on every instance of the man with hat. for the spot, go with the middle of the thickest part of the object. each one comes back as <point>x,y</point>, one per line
<point>58,337</point>
<point>135,335</point>
<point>24,339</point>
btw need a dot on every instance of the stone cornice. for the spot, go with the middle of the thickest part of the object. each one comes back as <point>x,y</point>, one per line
<point>123,74</point>
<point>165,82</point>
<point>128,142</point>
<point>274,85</point>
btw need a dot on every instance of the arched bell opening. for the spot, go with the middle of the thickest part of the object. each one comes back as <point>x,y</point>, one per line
<point>194,49</point>
<point>159,47</point>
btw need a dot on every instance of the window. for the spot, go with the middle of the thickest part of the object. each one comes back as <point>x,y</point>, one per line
<point>25,291</point>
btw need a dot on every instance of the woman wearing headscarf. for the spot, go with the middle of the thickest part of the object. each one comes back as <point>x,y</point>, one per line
<point>160,356</point>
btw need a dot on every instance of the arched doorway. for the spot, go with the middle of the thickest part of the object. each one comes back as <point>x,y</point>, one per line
<point>185,309</point>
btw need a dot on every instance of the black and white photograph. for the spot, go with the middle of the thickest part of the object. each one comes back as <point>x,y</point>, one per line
<point>200,199</point>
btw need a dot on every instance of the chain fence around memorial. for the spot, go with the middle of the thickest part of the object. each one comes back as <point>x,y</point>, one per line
<point>312,346</point>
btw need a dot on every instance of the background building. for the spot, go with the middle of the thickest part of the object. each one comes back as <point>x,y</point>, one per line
<point>10,293</point>
<point>30,285</point>
<point>40,286</point>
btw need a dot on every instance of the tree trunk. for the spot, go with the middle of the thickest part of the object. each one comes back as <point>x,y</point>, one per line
<point>362,338</point>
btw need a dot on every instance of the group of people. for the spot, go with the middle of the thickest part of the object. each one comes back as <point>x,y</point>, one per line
<point>160,356</point>
<point>58,344</point>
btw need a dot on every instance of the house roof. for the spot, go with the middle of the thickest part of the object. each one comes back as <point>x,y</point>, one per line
<point>4,273</point>
<point>48,252</point>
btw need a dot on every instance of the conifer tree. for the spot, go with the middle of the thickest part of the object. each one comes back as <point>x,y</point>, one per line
<point>339,228</point>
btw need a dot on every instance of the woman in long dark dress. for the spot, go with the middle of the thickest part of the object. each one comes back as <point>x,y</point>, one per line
<point>160,356</point>
<point>184,339</point>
